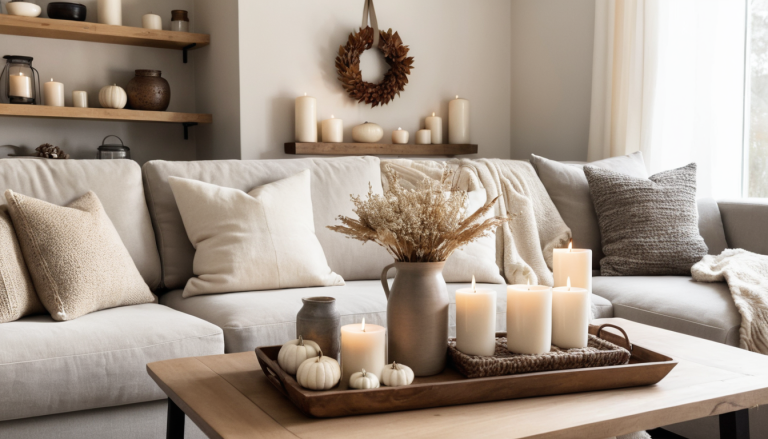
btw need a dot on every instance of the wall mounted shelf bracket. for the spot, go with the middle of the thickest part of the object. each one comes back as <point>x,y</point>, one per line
<point>185,49</point>
<point>186,128</point>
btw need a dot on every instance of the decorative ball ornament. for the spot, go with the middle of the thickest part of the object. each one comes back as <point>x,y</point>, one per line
<point>363,380</point>
<point>295,352</point>
<point>113,96</point>
<point>394,375</point>
<point>319,373</point>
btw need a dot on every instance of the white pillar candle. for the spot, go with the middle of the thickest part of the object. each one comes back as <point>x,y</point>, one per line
<point>362,347</point>
<point>476,321</point>
<point>80,99</point>
<point>399,136</point>
<point>333,130</point>
<point>458,121</point>
<point>306,119</point>
<point>110,12</point>
<point>53,93</point>
<point>20,86</point>
<point>529,319</point>
<point>574,263</point>
<point>152,21</point>
<point>570,316</point>
<point>423,137</point>
<point>435,124</point>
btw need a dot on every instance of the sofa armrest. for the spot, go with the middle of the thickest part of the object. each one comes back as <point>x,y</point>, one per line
<point>746,224</point>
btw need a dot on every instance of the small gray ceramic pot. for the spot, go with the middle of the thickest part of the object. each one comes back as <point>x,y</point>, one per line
<point>319,321</point>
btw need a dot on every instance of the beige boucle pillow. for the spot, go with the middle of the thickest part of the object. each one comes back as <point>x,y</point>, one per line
<point>76,259</point>
<point>17,294</point>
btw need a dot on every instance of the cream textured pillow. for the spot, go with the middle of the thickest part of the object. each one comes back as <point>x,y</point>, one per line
<point>17,294</point>
<point>76,259</point>
<point>260,240</point>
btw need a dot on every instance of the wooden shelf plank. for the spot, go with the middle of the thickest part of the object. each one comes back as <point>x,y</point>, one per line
<point>102,114</point>
<point>377,149</point>
<point>99,33</point>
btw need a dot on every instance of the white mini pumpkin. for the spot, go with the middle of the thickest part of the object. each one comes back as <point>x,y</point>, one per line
<point>319,373</point>
<point>113,96</point>
<point>363,380</point>
<point>368,132</point>
<point>295,352</point>
<point>394,375</point>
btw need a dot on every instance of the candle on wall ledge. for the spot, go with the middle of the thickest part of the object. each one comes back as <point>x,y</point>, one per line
<point>80,99</point>
<point>20,86</point>
<point>333,130</point>
<point>362,347</point>
<point>306,119</point>
<point>458,121</point>
<point>399,136</point>
<point>423,137</point>
<point>573,263</point>
<point>435,125</point>
<point>152,21</point>
<point>110,12</point>
<point>529,319</point>
<point>476,321</point>
<point>570,316</point>
<point>54,93</point>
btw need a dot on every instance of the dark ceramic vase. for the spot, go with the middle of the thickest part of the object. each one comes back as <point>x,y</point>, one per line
<point>318,321</point>
<point>148,91</point>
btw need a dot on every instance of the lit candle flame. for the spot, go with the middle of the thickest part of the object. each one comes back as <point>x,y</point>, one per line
<point>457,96</point>
<point>51,79</point>
<point>568,283</point>
<point>399,129</point>
<point>473,284</point>
<point>305,94</point>
<point>570,245</point>
<point>433,114</point>
<point>332,116</point>
<point>363,325</point>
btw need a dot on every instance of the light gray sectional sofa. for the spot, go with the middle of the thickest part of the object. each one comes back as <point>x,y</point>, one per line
<point>86,378</point>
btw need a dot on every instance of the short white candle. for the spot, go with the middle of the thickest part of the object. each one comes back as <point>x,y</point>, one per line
<point>110,12</point>
<point>306,119</point>
<point>574,263</point>
<point>333,130</point>
<point>570,316</point>
<point>399,136</point>
<point>152,21</point>
<point>476,321</point>
<point>458,121</point>
<point>54,94</point>
<point>423,137</point>
<point>362,347</point>
<point>80,99</point>
<point>435,124</point>
<point>20,86</point>
<point>529,319</point>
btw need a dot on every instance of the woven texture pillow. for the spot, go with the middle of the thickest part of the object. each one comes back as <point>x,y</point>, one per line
<point>17,294</point>
<point>76,259</point>
<point>648,226</point>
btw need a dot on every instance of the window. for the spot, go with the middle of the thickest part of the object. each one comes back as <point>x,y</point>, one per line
<point>756,123</point>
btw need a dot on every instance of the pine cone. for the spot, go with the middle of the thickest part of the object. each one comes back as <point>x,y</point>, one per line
<point>51,152</point>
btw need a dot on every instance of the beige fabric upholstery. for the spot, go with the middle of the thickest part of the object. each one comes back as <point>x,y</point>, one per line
<point>333,180</point>
<point>98,360</point>
<point>746,224</point>
<point>677,303</point>
<point>75,256</point>
<point>117,184</point>
<point>263,318</point>
<point>17,294</point>
<point>711,226</point>
<point>260,240</point>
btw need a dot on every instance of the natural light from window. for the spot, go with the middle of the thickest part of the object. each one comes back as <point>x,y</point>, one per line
<point>756,150</point>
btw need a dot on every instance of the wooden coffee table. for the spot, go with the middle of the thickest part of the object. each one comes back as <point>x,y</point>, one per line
<point>228,396</point>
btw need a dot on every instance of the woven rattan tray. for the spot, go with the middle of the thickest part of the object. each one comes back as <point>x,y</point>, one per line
<point>452,388</point>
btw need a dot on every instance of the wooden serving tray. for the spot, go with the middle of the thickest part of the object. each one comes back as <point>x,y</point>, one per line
<point>451,388</point>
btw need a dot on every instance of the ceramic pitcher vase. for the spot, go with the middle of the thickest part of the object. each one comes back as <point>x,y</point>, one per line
<point>417,316</point>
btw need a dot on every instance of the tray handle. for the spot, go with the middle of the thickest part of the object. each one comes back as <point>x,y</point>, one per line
<point>615,327</point>
<point>273,378</point>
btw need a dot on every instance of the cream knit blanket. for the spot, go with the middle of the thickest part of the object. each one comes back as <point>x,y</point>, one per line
<point>747,277</point>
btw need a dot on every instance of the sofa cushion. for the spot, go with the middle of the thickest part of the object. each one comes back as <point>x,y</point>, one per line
<point>98,360</point>
<point>333,180</point>
<point>677,303</point>
<point>744,222</point>
<point>711,226</point>
<point>265,318</point>
<point>17,294</point>
<point>118,185</point>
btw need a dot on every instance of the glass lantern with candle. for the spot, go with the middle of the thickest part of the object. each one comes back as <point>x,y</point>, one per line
<point>19,78</point>
<point>113,151</point>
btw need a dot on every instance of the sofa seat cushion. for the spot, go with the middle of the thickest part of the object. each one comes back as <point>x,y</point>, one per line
<point>677,303</point>
<point>266,318</point>
<point>98,360</point>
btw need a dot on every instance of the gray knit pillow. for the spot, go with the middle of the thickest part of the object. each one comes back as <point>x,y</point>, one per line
<point>648,226</point>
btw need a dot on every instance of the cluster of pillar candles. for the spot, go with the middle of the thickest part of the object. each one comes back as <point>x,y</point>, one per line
<point>21,85</point>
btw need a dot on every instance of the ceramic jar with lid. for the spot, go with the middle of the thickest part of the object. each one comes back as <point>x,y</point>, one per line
<point>148,91</point>
<point>179,20</point>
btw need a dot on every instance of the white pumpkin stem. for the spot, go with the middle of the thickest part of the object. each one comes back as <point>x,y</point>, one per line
<point>363,373</point>
<point>395,366</point>
<point>320,357</point>
<point>301,341</point>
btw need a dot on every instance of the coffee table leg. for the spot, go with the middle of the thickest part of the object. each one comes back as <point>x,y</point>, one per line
<point>175,427</point>
<point>735,425</point>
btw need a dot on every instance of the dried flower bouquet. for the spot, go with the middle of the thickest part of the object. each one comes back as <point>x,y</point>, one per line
<point>422,225</point>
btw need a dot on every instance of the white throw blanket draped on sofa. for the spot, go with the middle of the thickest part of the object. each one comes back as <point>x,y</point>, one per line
<point>747,277</point>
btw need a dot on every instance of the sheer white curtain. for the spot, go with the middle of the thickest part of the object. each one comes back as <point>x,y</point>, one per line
<point>668,80</point>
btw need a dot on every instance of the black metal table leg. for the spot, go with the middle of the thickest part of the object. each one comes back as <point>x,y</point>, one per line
<point>175,426</point>
<point>735,425</point>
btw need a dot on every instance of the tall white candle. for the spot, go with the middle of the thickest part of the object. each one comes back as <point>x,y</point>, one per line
<point>529,319</point>
<point>423,137</point>
<point>570,316</point>
<point>306,119</point>
<point>458,121</point>
<point>362,347</point>
<point>476,321</point>
<point>399,136</point>
<point>435,124</point>
<point>54,94</point>
<point>152,21</point>
<point>110,12</point>
<point>333,130</point>
<point>574,263</point>
<point>20,86</point>
<point>80,99</point>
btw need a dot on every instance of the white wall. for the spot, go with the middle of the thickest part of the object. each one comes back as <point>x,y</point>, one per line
<point>89,66</point>
<point>551,77</point>
<point>288,47</point>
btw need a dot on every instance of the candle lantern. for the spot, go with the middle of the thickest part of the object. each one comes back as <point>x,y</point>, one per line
<point>19,79</point>
<point>113,151</point>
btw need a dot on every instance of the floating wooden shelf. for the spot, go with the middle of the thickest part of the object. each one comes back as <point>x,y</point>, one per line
<point>376,149</point>
<point>100,33</point>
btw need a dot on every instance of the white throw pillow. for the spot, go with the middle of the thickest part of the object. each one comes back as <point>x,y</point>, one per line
<point>260,240</point>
